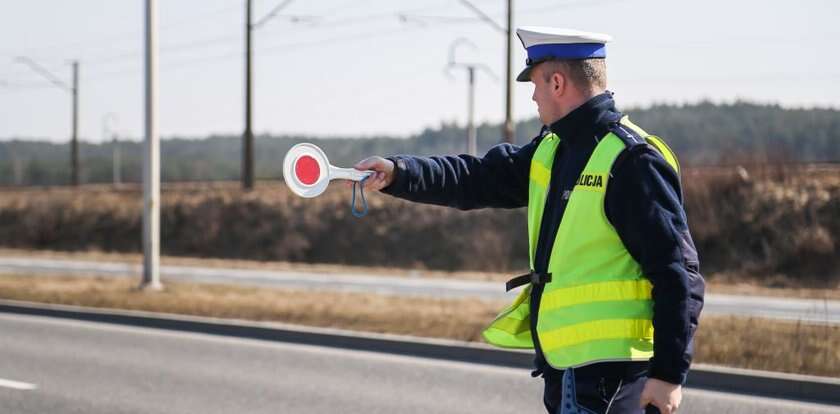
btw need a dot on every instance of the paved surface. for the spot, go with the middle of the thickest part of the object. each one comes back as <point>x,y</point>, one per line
<point>60,366</point>
<point>807,310</point>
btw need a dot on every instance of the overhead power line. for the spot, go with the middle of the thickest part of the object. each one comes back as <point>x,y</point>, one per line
<point>96,42</point>
<point>483,16</point>
<point>507,30</point>
<point>133,56</point>
<point>272,13</point>
<point>176,64</point>
<point>43,72</point>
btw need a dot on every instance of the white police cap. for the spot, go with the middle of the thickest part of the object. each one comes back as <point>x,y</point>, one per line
<point>549,43</point>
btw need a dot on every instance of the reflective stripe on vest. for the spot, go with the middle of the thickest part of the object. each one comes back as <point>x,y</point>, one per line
<point>598,305</point>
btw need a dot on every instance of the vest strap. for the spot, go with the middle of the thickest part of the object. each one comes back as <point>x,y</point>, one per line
<point>533,277</point>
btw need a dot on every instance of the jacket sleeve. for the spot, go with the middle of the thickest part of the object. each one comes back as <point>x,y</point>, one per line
<point>644,204</point>
<point>498,179</point>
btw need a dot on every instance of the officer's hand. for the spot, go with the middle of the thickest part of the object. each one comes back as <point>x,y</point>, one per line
<point>383,176</point>
<point>663,395</point>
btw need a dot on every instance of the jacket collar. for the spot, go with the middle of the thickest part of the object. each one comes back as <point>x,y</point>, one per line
<point>592,119</point>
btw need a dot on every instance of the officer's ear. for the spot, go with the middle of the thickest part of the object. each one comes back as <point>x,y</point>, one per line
<point>558,83</point>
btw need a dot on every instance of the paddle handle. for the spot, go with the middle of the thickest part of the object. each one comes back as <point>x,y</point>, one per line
<point>351,174</point>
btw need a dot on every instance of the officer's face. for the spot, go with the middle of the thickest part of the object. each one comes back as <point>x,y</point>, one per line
<point>545,95</point>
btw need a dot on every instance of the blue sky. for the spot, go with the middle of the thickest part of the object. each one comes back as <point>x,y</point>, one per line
<point>352,67</point>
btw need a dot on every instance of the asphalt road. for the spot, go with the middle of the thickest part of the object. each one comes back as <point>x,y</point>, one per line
<point>61,366</point>
<point>806,310</point>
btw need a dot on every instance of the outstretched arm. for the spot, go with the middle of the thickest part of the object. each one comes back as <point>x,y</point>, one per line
<point>498,179</point>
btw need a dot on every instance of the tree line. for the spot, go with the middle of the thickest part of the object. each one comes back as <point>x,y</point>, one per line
<point>701,134</point>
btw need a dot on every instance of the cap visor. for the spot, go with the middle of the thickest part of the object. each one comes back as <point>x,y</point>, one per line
<point>525,75</point>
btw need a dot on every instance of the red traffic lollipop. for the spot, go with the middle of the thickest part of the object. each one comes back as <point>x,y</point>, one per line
<point>307,171</point>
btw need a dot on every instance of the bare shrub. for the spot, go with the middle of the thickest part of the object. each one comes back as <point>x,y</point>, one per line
<point>765,222</point>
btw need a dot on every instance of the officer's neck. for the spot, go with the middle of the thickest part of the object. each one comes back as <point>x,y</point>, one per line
<point>575,100</point>
<point>587,118</point>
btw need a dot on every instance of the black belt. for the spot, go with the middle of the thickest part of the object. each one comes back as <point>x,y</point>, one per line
<point>533,277</point>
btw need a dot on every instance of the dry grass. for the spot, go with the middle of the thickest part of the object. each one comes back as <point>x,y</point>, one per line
<point>733,341</point>
<point>775,224</point>
<point>442,318</point>
<point>769,345</point>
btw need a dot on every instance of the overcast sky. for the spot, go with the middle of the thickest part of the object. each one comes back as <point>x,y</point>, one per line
<point>352,67</point>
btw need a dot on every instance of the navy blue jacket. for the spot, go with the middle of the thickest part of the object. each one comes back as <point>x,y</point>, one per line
<point>643,203</point>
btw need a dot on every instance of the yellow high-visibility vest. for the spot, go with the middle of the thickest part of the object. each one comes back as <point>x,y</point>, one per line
<point>597,306</point>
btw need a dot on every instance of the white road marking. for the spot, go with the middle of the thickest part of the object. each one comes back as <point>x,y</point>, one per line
<point>17,385</point>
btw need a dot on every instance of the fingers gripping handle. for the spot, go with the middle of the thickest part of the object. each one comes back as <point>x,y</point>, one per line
<point>351,174</point>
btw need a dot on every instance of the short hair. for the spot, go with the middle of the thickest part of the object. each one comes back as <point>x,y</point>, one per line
<point>586,74</point>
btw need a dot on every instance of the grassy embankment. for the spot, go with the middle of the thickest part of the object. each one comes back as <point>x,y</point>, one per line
<point>732,341</point>
<point>776,226</point>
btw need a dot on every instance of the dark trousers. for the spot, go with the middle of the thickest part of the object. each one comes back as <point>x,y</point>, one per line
<point>588,391</point>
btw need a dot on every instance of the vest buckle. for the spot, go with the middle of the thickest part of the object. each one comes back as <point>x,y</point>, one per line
<point>532,277</point>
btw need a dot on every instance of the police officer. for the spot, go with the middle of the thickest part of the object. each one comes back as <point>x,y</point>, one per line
<point>614,294</point>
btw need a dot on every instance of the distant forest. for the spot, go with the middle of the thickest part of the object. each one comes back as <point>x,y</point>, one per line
<point>701,134</point>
